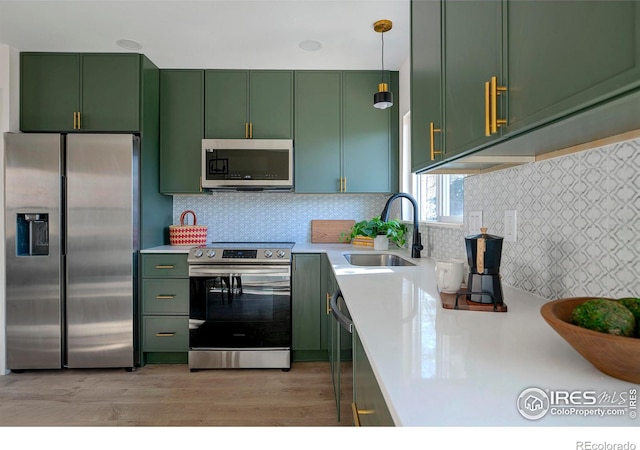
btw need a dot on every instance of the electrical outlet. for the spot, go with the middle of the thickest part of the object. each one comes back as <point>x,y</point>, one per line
<point>510,226</point>
<point>475,221</point>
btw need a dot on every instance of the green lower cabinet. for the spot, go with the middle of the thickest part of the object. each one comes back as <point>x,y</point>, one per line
<point>166,334</point>
<point>309,316</point>
<point>369,406</point>
<point>165,308</point>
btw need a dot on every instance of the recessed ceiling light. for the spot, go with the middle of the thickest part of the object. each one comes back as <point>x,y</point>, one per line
<point>128,44</point>
<point>310,46</point>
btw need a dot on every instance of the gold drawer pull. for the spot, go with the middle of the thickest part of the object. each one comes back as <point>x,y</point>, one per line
<point>165,297</point>
<point>328,300</point>
<point>166,334</point>
<point>165,267</point>
<point>356,413</point>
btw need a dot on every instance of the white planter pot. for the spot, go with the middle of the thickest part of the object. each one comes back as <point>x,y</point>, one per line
<point>381,243</point>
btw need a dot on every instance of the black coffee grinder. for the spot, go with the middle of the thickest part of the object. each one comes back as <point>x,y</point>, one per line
<point>483,255</point>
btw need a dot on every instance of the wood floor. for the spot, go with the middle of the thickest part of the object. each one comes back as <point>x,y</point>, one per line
<point>169,395</point>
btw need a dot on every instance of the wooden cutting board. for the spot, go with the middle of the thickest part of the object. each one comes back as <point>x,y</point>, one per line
<point>329,231</point>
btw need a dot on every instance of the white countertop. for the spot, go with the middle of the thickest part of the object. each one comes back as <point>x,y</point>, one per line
<point>441,367</point>
<point>168,249</point>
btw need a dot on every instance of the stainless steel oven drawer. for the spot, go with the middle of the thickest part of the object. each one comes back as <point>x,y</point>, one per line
<point>264,358</point>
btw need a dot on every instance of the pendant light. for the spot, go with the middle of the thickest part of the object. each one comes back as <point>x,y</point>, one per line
<point>382,99</point>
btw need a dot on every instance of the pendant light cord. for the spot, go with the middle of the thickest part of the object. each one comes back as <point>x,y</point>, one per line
<point>382,65</point>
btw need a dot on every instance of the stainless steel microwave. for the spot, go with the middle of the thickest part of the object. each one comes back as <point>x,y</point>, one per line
<point>247,164</point>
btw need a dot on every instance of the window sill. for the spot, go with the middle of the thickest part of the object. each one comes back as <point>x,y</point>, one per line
<point>433,223</point>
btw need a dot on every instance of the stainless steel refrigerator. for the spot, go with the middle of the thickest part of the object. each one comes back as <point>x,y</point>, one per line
<point>72,221</point>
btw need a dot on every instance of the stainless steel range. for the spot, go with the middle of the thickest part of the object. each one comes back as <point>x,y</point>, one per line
<point>240,305</point>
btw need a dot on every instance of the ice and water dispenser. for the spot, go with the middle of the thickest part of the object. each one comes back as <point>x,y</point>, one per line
<point>32,234</point>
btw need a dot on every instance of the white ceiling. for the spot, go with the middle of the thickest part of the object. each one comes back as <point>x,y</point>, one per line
<point>241,34</point>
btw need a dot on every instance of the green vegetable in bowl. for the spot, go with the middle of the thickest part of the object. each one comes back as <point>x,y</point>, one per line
<point>633,305</point>
<point>605,316</point>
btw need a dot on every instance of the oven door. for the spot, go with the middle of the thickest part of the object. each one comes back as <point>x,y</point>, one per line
<point>239,307</point>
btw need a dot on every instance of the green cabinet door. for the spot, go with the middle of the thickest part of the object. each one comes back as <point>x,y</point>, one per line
<point>368,401</point>
<point>565,56</point>
<point>110,92</point>
<point>369,147</point>
<point>271,104</point>
<point>49,94</point>
<point>308,314</point>
<point>472,55</point>
<point>426,84</point>
<point>242,104</point>
<point>181,130</point>
<point>66,92</point>
<point>226,104</point>
<point>318,125</point>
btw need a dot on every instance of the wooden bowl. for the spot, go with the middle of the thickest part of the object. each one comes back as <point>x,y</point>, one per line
<point>617,356</point>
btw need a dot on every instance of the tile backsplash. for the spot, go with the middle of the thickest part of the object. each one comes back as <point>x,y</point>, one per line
<point>265,216</point>
<point>578,222</point>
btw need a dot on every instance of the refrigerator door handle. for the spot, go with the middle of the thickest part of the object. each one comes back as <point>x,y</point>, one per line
<point>63,219</point>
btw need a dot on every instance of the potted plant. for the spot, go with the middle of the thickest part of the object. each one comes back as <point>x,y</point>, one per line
<point>391,230</point>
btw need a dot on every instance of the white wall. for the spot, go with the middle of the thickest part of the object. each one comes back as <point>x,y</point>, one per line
<point>9,101</point>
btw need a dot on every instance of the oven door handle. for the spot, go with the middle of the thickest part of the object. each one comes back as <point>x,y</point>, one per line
<point>209,270</point>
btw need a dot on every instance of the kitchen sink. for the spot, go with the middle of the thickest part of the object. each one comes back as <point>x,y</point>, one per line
<point>376,259</point>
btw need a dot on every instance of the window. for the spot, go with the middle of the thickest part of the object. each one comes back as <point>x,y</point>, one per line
<point>440,197</point>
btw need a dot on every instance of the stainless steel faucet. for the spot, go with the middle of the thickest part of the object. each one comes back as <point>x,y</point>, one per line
<point>416,246</point>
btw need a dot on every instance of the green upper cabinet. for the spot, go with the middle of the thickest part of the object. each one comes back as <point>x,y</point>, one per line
<point>426,84</point>
<point>566,56</point>
<point>249,104</point>
<point>227,104</point>
<point>49,91</point>
<point>472,55</point>
<point>318,128</point>
<point>181,130</point>
<point>342,143</point>
<point>370,135</point>
<point>80,92</point>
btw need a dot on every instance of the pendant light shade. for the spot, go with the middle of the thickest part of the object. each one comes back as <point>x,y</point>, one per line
<point>382,99</point>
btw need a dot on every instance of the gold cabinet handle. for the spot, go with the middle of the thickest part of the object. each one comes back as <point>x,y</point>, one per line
<point>246,130</point>
<point>165,267</point>
<point>356,413</point>
<point>250,130</point>
<point>79,121</point>
<point>432,131</point>
<point>75,120</point>
<point>487,109</point>
<point>344,185</point>
<point>356,417</point>
<point>341,189</point>
<point>495,91</point>
<point>165,297</point>
<point>328,307</point>
<point>166,334</point>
